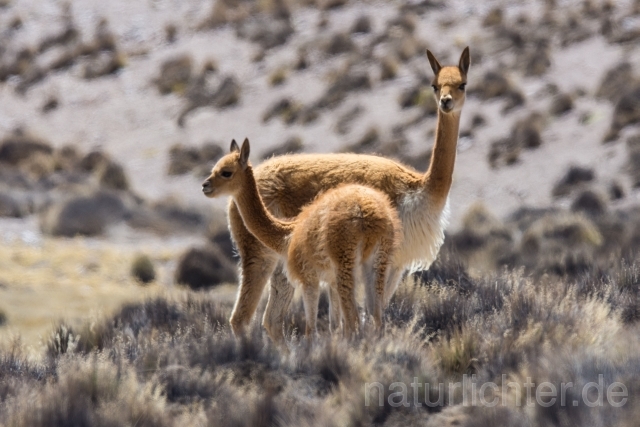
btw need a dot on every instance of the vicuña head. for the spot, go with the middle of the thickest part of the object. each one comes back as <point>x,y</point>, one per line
<point>226,177</point>
<point>343,230</point>
<point>449,82</point>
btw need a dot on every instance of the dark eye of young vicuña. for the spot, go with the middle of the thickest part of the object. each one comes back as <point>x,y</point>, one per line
<point>226,174</point>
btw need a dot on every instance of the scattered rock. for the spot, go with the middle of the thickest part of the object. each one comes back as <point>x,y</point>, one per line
<point>103,64</point>
<point>589,202</point>
<point>340,43</point>
<point>362,25</point>
<point>616,191</point>
<point>478,120</point>
<point>113,177</point>
<point>50,104</point>
<point>10,207</point>
<point>504,151</point>
<point>367,144</point>
<point>175,74</point>
<point>575,177</point>
<point>183,159</point>
<point>94,161</point>
<point>278,77</point>
<point>265,30</point>
<point>495,84</point>
<point>285,108</point>
<point>83,215</point>
<point>388,68</point>
<point>344,122</point>
<point>291,145</point>
<point>493,18</point>
<point>142,269</point>
<point>19,147</point>
<point>343,84</point>
<point>204,267</point>
<point>616,82</point>
<point>561,104</point>
<point>626,112</point>
<point>526,132</point>
<point>331,4</point>
<point>170,33</point>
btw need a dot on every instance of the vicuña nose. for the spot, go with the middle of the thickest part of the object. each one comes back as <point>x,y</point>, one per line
<point>206,185</point>
<point>446,103</point>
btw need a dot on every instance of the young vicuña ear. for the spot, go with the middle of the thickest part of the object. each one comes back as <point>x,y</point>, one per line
<point>234,146</point>
<point>244,153</point>
<point>465,61</point>
<point>435,65</point>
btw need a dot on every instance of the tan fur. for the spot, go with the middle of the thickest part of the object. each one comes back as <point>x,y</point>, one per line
<point>331,240</point>
<point>287,183</point>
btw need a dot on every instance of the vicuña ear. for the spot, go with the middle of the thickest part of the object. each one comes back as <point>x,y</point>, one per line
<point>244,153</point>
<point>435,65</point>
<point>465,61</point>
<point>234,146</point>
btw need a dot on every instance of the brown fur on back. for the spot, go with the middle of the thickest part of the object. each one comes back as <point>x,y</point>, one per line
<point>287,183</point>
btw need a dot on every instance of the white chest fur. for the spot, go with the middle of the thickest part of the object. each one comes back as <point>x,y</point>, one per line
<point>423,225</point>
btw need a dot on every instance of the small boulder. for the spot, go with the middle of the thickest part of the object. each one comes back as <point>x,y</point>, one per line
<point>204,267</point>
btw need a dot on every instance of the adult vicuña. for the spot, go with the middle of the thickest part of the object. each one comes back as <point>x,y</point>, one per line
<point>287,183</point>
<point>331,240</point>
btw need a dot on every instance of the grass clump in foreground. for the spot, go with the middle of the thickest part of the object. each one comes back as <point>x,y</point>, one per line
<point>172,361</point>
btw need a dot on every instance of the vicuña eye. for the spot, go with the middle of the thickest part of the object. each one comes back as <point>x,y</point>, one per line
<point>462,86</point>
<point>435,88</point>
<point>226,174</point>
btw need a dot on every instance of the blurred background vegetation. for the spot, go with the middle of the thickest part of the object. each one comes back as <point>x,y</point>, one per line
<point>117,277</point>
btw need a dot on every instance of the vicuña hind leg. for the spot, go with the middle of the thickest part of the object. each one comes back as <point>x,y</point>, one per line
<point>280,295</point>
<point>381,267</point>
<point>310,296</point>
<point>257,262</point>
<point>335,315</point>
<point>345,288</point>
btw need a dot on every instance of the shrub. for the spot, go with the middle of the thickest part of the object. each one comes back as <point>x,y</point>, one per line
<point>142,269</point>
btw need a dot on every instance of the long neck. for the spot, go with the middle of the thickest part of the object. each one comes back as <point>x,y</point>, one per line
<point>271,231</point>
<point>438,178</point>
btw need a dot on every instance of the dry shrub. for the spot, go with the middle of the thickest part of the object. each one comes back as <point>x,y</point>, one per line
<point>171,361</point>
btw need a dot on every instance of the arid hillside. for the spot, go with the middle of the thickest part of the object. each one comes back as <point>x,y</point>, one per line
<point>117,276</point>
